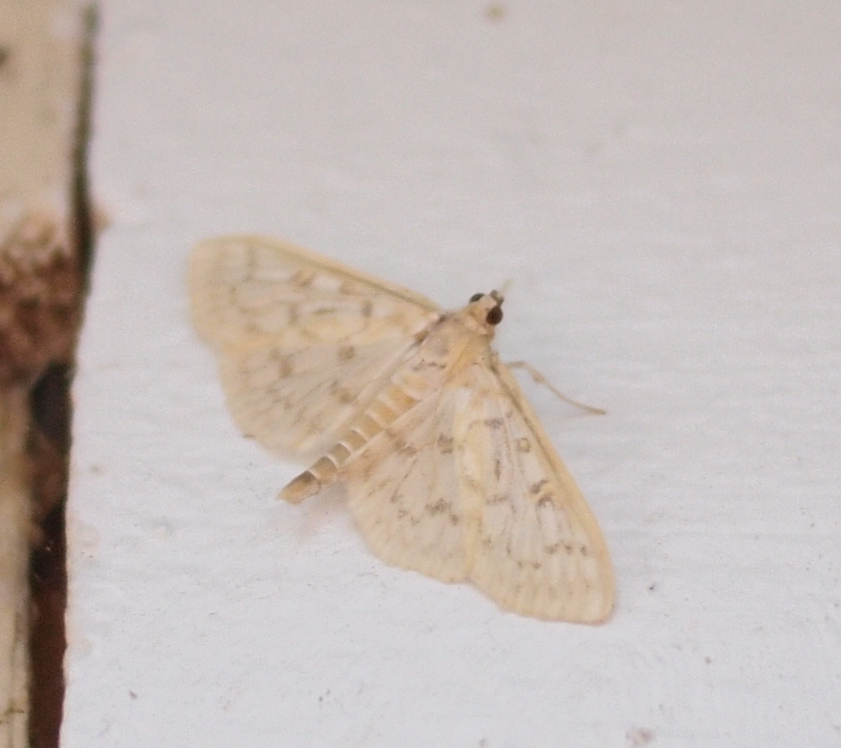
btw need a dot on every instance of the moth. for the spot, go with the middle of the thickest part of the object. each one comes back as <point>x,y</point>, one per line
<point>446,468</point>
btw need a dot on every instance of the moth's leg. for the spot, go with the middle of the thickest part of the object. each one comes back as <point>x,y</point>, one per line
<point>540,379</point>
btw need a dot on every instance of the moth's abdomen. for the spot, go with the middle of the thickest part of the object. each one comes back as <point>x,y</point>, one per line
<point>303,486</point>
<point>395,400</point>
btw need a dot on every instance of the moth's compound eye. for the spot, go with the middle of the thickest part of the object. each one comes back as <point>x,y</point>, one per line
<point>494,316</point>
<point>476,297</point>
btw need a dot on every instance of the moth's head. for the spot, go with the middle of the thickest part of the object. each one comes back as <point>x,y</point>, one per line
<point>486,309</point>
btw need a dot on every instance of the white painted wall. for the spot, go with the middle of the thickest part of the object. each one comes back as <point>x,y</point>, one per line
<point>662,183</point>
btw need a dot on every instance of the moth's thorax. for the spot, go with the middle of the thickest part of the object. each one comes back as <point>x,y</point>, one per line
<point>459,338</point>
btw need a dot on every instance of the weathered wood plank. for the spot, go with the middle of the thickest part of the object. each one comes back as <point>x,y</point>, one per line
<point>40,77</point>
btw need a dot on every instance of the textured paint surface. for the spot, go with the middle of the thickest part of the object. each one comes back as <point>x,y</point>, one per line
<point>661,184</point>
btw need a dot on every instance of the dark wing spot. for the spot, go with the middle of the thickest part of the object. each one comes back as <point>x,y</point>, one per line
<point>345,396</point>
<point>303,278</point>
<point>346,352</point>
<point>401,446</point>
<point>535,489</point>
<point>471,482</point>
<point>439,507</point>
<point>428,364</point>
